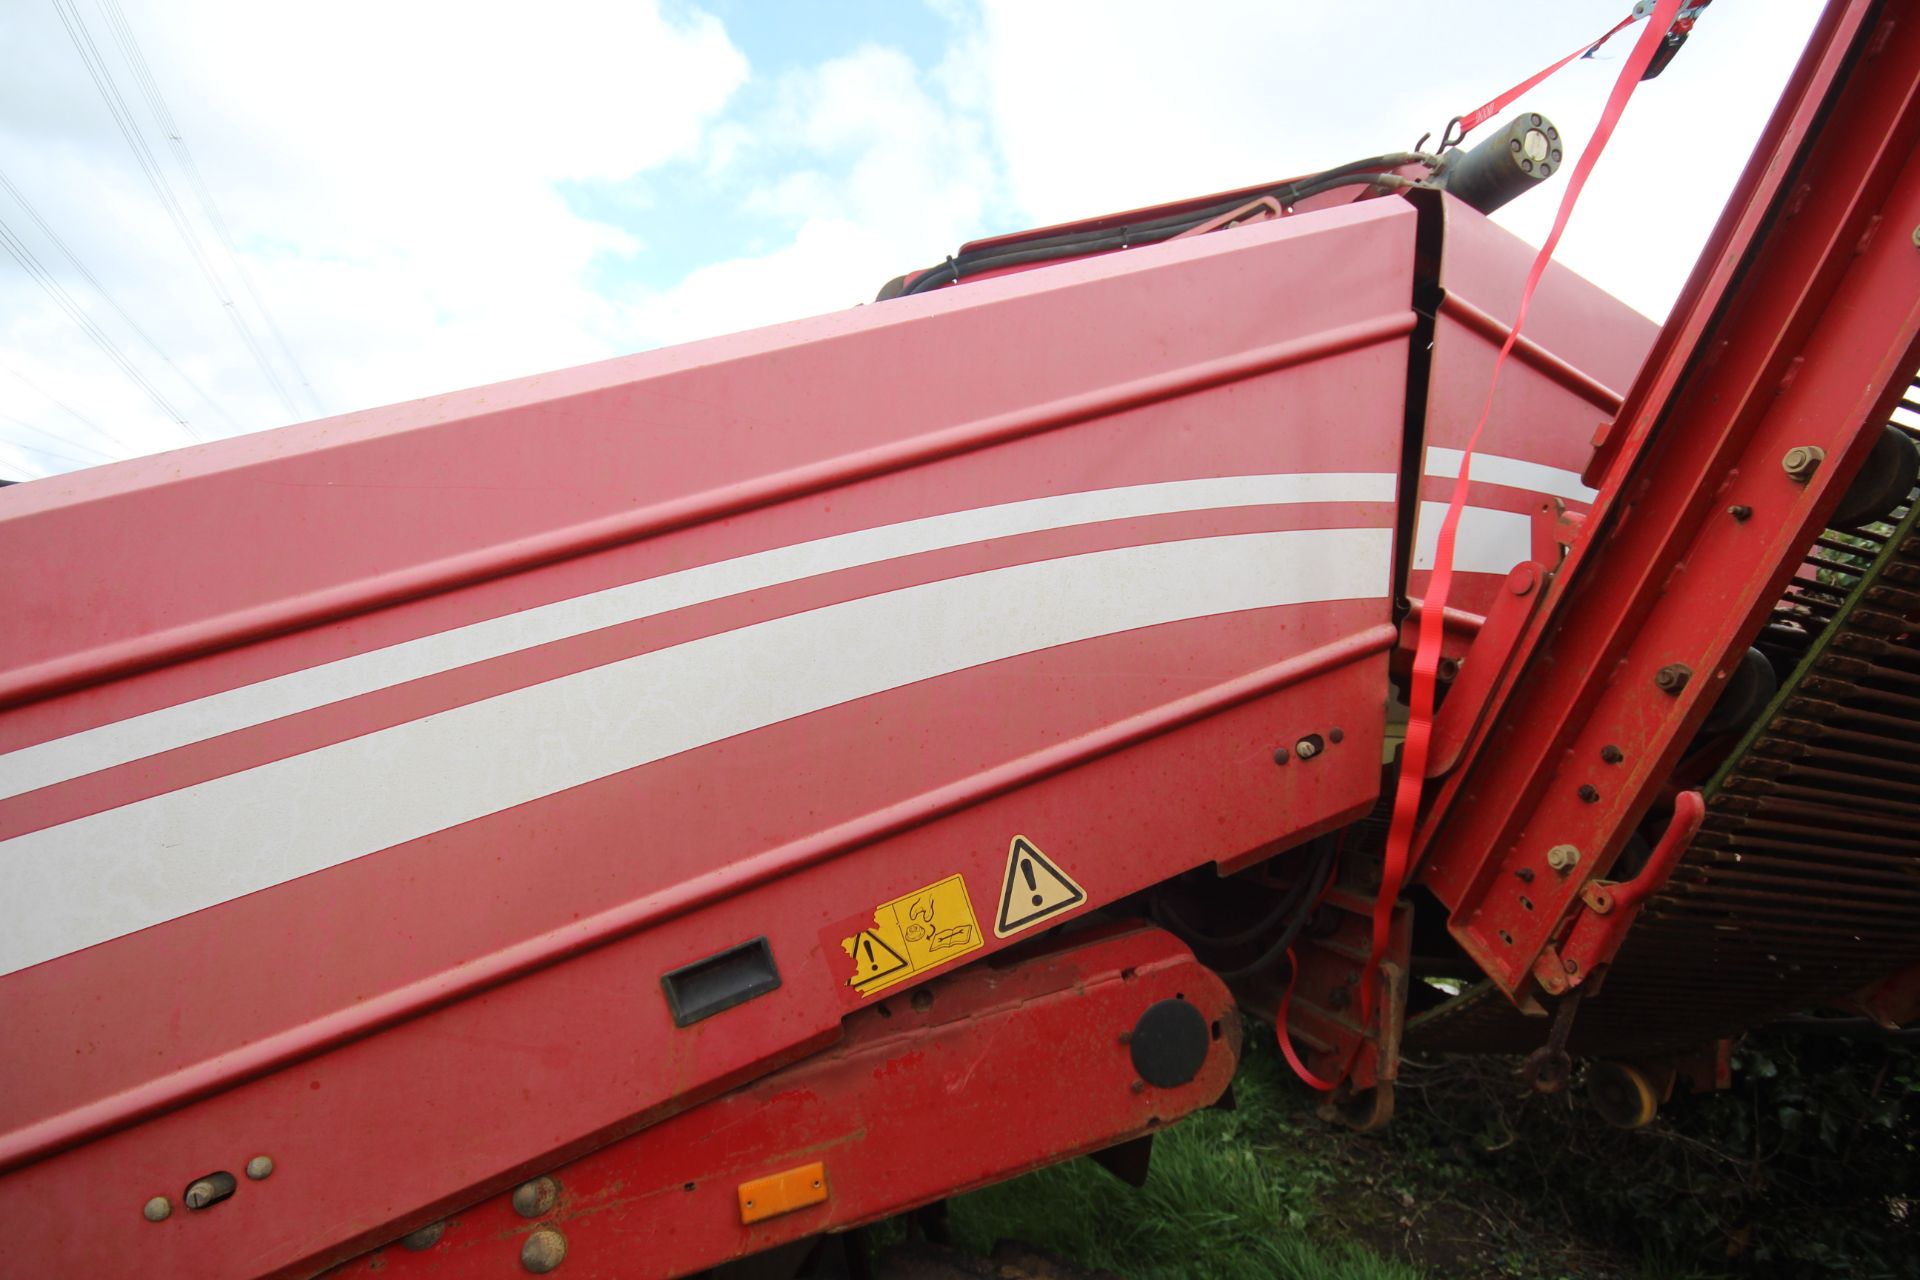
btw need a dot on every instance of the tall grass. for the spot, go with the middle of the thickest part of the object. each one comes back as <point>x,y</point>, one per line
<point>1227,1198</point>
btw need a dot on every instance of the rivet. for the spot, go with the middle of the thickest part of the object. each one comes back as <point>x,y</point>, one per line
<point>1280,755</point>
<point>1801,461</point>
<point>1612,754</point>
<point>1740,511</point>
<point>1524,874</point>
<point>1916,237</point>
<point>425,1238</point>
<point>531,1199</point>
<point>1589,794</point>
<point>260,1168</point>
<point>1563,858</point>
<point>1336,734</point>
<point>1138,1086</point>
<point>157,1209</point>
<point>544,1250</point>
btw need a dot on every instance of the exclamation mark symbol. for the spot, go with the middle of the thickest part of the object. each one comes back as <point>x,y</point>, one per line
<point>868,944</point>
<point>1026,869</point>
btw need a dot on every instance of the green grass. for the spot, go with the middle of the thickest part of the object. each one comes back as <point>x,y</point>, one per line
<point>1228,1197</point>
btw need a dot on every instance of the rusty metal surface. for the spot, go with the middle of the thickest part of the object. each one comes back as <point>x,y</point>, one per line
<point>1803,885</point>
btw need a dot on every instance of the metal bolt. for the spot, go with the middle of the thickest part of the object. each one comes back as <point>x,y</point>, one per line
<point>260,1168</point>
<point>531,1199</point>
<point>1612,754</point>
<point>1802,461</point>
<point>1916,237</point>
<point>1280,756</point>
<point>200,1194</point>
<point>1306,749</point>
<point>1740,511</point>
<point>1672,678</point>
<point>1336,734</point>
<point>1524,874</point>
<point>425,1238</point>
<point>157,1209</point>
<point>1563,858</point>
<point>1570,965</point>
<point>544,1250</point>
<point>1589,794</point>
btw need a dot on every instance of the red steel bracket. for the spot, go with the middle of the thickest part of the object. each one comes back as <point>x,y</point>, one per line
<point>1612,908</point>
<point>961,1082</point>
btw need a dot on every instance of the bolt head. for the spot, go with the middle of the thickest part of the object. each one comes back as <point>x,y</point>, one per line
<point>158,1209</point>
<point>199,1195</point>
<point>1801,461</point>
<point>1305,749</point>
<point>1916,237</point>
<point>531,1199</point>
<point>544,1250</point>
<point>425,1238</point>
<point>260,1168</point>
<point>1563,858</point>
<point>1673,677</point>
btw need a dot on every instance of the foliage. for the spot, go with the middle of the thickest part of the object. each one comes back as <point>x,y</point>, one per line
<point>1230,1195</point>
<point>1806,1166</point>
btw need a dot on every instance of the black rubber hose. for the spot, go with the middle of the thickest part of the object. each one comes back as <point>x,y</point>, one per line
<point>1104,239</point>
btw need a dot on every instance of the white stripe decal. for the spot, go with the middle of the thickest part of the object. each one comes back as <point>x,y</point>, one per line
<point>110,873</point>
<point>91,750</point>
<point>1514,473</point>
<point>1487,541</point>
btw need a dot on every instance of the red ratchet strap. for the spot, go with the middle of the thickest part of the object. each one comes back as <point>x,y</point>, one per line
<point>1480,115</point>
<point>1426,661</point>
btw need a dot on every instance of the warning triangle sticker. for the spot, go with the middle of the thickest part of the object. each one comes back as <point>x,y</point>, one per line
<point>873,959</point>
<point>1033,890</point>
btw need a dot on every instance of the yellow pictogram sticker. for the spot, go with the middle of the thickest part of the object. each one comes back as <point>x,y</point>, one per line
<point>925,928</point>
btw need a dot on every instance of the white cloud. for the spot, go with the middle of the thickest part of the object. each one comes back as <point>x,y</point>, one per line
<point>1111,104</point>
<point>399,175</point>
<point>882,172</point>
<point>390,171</point>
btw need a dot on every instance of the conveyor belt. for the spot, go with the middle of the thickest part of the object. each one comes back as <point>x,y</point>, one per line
<point>1804,882</point>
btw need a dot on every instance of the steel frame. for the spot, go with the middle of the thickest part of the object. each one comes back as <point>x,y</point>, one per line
<point>998,1070</point>
<point>1797,330</point>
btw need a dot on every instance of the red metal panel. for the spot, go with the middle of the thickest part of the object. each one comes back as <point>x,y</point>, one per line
<point>1793,332</point>
<point>322,1018</point>
<point>1569,370</point>
<point>979,1077</point>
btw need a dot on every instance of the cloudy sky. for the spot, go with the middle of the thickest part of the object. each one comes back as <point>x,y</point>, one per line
<point>408,196</point>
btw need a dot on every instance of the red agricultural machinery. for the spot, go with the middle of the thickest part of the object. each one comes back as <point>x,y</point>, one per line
<point>626,820</point>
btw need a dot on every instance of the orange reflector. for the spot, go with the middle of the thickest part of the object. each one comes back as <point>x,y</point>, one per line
<point>779,1193</point>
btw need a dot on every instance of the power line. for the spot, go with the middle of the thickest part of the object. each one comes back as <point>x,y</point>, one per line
<point>64,457</point>
<point>64,407</point>
<point>22,423</point>
<point>81,267</point>
<point>129,45</point>
<point>41,276</point>
<point>156,178</point>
